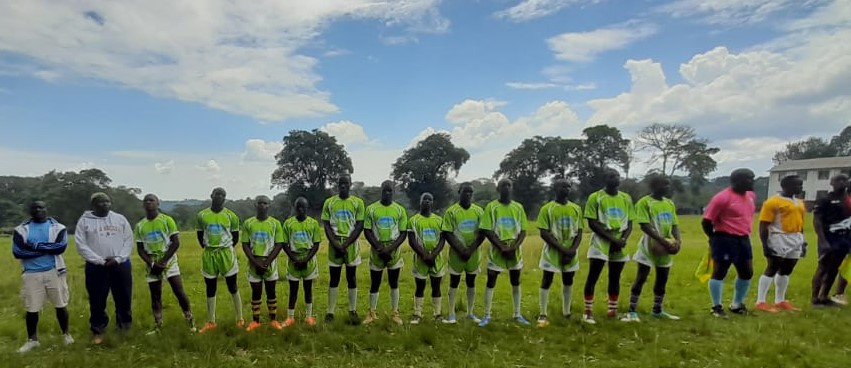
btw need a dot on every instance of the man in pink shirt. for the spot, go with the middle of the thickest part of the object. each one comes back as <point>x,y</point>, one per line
<point>727,222</point>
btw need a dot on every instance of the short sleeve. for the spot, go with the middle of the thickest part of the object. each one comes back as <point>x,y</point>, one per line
<point>524,221</point>
<point>359,212</point>
<point>642,212</point>
<point>591,207</point>
<point>199,221</point>
<point>245,233</point>
<point>317,233</point>
<point>137,232</point>
<point>769,208</point>
<point>630,207</point>
<point>715,207</point>
<point>487,218</point>
<point>326,211</point>
<point>368,218</point>
<point>172,226</point>
<point>234,221</point>
<point>578,212</point>
<point>674,214</point>
<point>403,219</point>
<point>448,221</point>
<point>543,219</point>
<point>280,233</point>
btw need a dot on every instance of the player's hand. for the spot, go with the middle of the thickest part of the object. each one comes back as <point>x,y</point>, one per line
<point>385,255</point>
<point>111,262</point>
<point>157,269</point>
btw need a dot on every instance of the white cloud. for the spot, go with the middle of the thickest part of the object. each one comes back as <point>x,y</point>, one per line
<point>728,11</point>
<point>530,86</point>
<point>47,75</point>
<point>336,52</point>
<point>238,57</point>
<point>468,110</point>
<point>532,9</point>
<point>211,166</point>
<point>398,40</point>
<point>164,168</point>
<point>585,46</point>
<point>347,132</point>
<point>581,87</point>
<point>260,150</point>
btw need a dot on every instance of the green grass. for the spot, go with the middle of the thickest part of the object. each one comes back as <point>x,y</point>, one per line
<point>803,339</point>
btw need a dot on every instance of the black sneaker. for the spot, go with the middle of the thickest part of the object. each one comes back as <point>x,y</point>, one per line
<point>354,319</point>
<point>740,310</point>
<point>329,317</point>
<point>824,303</point>
<point>718,311</point>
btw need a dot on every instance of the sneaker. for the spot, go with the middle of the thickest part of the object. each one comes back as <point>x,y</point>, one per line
<point>191,323</point>
<point>825,303</point>
<point>521,320</point>
<point>153,331</point>
<point>310,321</point>
<point>415,320</point>
<point>354,319</point>
<point>631,317</point>
<point>277,325</point>
<point>740,309</point>
<point>718,311</point>
<point>450,320</point>
<point>329,317</point>
<point>438,318</point>
<point>589,319</point>
<point>97,339</point>
<point>209,326</point>
<point>763,307</point>
<point>566,316</point>
<point>371,316</point>
<point>485,320</point>
<point>612,313</point>
<point>543,321</point>
<point>289,322</point>
<point>839,299</point>
<point>397,319</point>
<point>29,345</point>
<point>786,306</point>
<point>474,318</point>
<point>666,315</point>
<point>252,326</point>
<point>67,339</point>
<point>240,323</point>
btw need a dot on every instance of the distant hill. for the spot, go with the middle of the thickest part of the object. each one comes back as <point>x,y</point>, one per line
<point>169,205</point>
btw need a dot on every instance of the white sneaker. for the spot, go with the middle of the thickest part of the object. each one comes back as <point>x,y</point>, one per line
<point>839,299</point>
<point>68,339</point>
<point>29,345</point>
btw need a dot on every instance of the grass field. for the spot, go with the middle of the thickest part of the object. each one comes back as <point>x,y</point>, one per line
<point>803,339</point>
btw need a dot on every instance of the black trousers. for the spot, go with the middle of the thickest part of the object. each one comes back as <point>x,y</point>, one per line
<point>100,280</point>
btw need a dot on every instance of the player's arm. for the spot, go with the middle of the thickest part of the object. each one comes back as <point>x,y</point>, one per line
<point>599,229</point>
<point>353,236</point>
<point>172,249</point>
<point>276,250</point>
<point>626,233</point>
<point>331,235</point>
<point>648,229</point>
<point>708,229</point>
<point>252,260</point>
<point>552,241</point>
<point>817,225</point>
<point>519,241</point>
<point>397,243</point>
<point>373,241</point>
<point>20,249</point>
<point>454,242</point>
<point>415,245</point>
<point>763,236</point>
<point>52,248</point>
<point>311,253</point>
<point>493,239</point>
<point>140,248</point>
<point>441,242</point>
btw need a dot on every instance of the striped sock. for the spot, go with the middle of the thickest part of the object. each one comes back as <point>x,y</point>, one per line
<point>657,303</point>
<point>255,310</point>
<point>589,304</point>
<point>613,302</point>
<point>272,306</point>
<point>633,302</point>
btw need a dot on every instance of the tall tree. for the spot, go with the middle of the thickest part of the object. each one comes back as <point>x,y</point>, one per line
<point>677,148</point>
<point>841,142</point>
<point>426,168</point>
<point>308,165</point>
<point>812,147</point>
<point>525,166</point>
<point>603,146</point>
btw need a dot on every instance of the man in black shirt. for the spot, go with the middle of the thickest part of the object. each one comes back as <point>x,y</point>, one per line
<point>832,222</point>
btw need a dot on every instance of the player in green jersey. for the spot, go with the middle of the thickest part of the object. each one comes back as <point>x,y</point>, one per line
<point>262,241</point>
<point>385,225</point>
<point>301,243</point>
<point>342,217</point>
<point>157,240</point>
<point>217,229</point>
<point>657,217</point>
<point>609,213</point>
<point>560,222</point>
<point>461,231</point>
<point>504,224</point>
<point>427,244</point>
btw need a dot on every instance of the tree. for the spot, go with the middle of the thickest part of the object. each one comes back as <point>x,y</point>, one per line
<point>841,143</point>
<point>677,148</point>
<point>603,146</point>
<point>308,165</point>
<point>812,147</point>
<point>525,166</point>
<point>426,168</point>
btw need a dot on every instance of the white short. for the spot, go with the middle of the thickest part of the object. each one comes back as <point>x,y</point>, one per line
<point>597,254</point>
<point>786,245</point>
<point>549,267</point>
<point>356,262</point>
<point>171,271</point>
<point>271,274</point>
<point>495,267</point>
<point>38,286</point>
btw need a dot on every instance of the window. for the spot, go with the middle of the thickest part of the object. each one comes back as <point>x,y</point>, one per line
<point>803,175</point>
<point>821,194</point>
<point>823,174</point>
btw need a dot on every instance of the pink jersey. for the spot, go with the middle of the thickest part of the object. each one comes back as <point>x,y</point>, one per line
<point>731,213</point>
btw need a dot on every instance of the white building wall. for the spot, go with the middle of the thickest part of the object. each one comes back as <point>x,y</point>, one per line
<point>812,183</point>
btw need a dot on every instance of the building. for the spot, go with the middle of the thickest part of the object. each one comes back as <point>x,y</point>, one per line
<point>815,172</point>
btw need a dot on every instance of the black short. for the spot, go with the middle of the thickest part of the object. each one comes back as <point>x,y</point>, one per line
<point>730,248</point>
<point>840,245</point>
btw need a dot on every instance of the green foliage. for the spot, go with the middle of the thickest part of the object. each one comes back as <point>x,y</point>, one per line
<point>426,168</point>
<point>816,147</point>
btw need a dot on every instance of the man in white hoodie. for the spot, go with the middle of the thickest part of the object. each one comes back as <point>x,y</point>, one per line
<point>39,243</point>
<point>105,239</point>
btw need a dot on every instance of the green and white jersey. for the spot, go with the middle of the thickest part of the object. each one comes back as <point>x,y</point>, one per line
<point>613,211</point>
<point>506,220</point>
<point>343,214</point>
<point>564,221</point>
<point>155,235</point>
<point>463,223</point>
<point>301,235</point>
<point>385,222</point>
<point>261,235</point>
<point>660,214</point>
<point>217,227</point>
<point>426,230</point>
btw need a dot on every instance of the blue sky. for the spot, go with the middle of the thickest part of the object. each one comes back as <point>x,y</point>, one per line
<point>178,97</point>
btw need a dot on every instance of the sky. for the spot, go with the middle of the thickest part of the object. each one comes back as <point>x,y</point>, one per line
<point>177,97</point>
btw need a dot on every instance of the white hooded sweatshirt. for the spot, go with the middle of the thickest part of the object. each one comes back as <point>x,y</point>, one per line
<point>99,238</point>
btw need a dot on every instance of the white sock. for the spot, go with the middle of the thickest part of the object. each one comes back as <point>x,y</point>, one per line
<point>471,299</point>
<point>237,305</point>
<point>781,283</point>
<point>309,309</point>
<point>353,299</point>
<point>437,302</point>
<point>332,299</point>
<point>566,298</point>
<point>291,312</point>
<point>452,293</point>
<point>488,300</point>
<point>543,300</point>
<point>418,307</point>
<point>762,290</point>
<point>211,309</point>
<point>373,301</point>
<point>515,296</point>
<point>394,299</point>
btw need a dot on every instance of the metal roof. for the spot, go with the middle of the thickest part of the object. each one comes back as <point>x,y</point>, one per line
<point>814,163</point>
